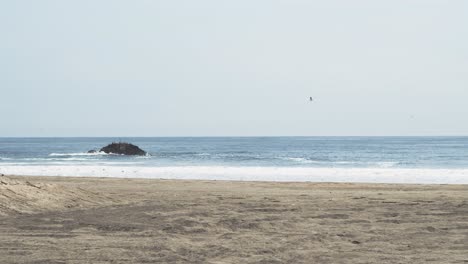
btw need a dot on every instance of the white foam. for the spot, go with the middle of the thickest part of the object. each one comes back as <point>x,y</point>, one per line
<point>300,160</point>
<point>387,164</point>
<point>381,164</point>
<point>70,162</point>
<point>78,154</point>
<point>56,159</point>
<point>369,175</point>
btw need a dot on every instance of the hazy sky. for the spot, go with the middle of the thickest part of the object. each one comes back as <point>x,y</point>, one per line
<point>236,68</point>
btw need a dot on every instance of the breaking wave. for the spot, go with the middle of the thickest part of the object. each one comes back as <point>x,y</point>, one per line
<point>100,153</point>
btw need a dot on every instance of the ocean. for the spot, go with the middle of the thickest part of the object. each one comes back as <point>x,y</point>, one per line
<point>442,160</point>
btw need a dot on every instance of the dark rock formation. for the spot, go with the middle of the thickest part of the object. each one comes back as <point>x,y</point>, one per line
<point>123,148</point>
<point>92,151</point>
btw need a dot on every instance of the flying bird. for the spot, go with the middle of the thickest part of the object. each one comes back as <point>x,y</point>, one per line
<point>311,99</point>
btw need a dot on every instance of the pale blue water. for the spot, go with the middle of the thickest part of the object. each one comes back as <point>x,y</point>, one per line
<point>311,152</point>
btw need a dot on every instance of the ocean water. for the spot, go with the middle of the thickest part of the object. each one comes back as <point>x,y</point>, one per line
<point>315,159</point>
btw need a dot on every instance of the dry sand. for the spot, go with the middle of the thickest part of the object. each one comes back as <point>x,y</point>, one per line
<point>103,220</point>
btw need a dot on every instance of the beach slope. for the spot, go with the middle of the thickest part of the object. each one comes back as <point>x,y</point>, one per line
<point>102,220</point>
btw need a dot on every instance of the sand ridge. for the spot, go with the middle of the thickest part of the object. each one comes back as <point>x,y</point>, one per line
<point>18,196</point>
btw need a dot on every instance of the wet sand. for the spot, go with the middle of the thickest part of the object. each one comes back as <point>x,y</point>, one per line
<point>106,220</point>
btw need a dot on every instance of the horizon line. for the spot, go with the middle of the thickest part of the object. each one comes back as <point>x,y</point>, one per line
<point>231,136</point>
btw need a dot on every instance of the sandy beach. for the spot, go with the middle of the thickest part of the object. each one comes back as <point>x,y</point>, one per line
<point>107,220</point>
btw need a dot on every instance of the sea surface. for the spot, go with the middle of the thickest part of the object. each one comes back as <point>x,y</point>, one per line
<point>315,159</point>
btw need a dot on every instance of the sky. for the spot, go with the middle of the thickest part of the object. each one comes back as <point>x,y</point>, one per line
<point>233,68</point>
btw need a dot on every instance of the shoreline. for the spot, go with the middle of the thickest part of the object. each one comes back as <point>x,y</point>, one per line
<point>61,179</point>
<point>268,174</point>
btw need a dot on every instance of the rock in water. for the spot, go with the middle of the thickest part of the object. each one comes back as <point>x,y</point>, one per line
<point>123,148</point>
<point>92,151</point>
